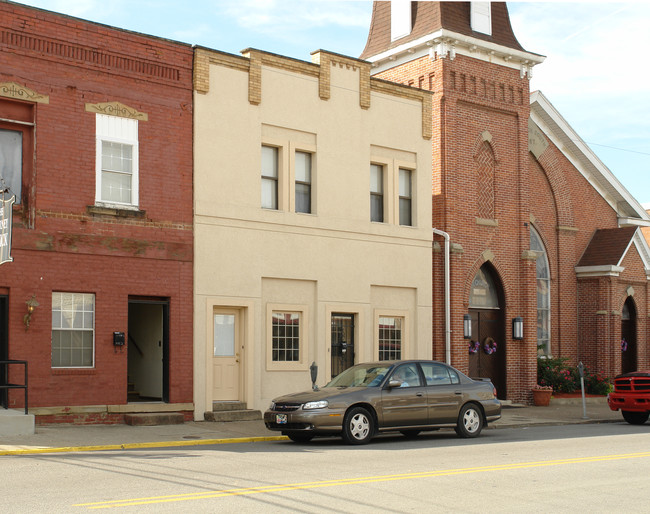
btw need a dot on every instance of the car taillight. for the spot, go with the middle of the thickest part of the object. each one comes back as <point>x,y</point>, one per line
<point>494,391</point>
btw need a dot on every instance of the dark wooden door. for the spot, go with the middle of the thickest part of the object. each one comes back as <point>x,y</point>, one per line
<point>488,330</point>
<point>628,334</point>
<point>4,346</point>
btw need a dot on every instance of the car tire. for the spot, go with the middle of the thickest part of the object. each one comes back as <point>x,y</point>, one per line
<point>299,437</point>
<point>470,421</point>
<point>410,434</point>
<point>358,426</point>
<point>635,418</point>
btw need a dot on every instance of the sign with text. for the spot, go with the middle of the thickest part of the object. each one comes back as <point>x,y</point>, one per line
<point>6,216</point>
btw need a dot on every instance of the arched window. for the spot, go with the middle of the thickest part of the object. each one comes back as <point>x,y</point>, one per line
<point>484,294</point>
<point>543,295</point>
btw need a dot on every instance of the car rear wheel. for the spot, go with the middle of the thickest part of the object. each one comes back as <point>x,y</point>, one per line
<point>410,433</point>
<point>635,418</point>
<point>299,437</point>
<point>470,421</point>
<point>358,426</point>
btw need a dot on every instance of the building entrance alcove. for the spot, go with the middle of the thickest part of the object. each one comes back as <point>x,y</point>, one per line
<point>487,359</point>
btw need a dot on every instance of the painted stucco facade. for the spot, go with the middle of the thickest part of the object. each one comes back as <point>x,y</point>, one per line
<point>252,262</point>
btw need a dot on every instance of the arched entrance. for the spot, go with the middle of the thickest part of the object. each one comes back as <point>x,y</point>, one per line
<point>628,336</point>
<point>486,301</point>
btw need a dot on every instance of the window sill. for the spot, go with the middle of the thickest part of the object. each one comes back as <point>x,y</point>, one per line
<point>74,371</point>
<point>116,212</point>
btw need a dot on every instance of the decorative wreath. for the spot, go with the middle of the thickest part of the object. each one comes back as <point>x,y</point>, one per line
<point>474,346</point>
<point>490,346</point>
<point>623,345</point>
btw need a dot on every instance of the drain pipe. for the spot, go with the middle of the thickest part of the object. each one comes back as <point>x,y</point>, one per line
<point>447,297</point>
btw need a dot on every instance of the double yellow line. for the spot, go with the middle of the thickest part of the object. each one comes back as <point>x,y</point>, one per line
<point>355,481</point>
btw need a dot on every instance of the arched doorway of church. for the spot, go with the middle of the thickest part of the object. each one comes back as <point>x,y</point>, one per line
<point>628,336</point>
<point>487,357</point>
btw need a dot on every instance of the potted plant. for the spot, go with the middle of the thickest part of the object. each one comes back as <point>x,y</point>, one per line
<point>542,395</point>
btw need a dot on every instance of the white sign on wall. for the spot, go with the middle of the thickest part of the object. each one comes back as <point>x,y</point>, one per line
<point>6,212</point>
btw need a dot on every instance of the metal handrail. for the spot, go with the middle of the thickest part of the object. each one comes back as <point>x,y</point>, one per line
<point>7,385</point>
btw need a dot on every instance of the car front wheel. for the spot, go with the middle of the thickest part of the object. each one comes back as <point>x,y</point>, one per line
<point>358,426</point>
<point>470,421</point>
<point>635,418</point>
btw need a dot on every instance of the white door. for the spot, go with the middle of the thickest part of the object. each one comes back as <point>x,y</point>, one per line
<point>225,359</point>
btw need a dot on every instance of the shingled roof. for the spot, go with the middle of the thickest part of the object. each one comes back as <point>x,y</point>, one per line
<point>430,17</point>
<point>608,246</point>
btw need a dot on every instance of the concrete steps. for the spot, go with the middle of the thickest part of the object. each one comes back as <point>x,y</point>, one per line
<point>15,422</point>
<point>231,411</point>
<point>154,418</point>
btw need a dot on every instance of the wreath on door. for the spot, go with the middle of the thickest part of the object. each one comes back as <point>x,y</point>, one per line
<point>489,346</point>
<point>474,346</point>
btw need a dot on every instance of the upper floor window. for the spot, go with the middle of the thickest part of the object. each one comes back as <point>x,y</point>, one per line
<point>376,193</point>
<point>11,161</point>
<point>543,294</point>
<point>303,182</point>
<point>269,177</point>
<point>117,160</point>
<point>405,196</point>
<point>16,147</point>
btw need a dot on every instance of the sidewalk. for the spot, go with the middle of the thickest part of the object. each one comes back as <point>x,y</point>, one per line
<point>71,438</point>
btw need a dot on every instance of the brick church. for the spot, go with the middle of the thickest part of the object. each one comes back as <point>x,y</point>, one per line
<point>545,251</point>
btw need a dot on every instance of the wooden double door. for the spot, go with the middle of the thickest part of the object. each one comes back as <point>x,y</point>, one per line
<point>489,361</point>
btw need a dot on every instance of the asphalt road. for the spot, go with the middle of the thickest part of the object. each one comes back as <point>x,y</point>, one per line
<point>596,468</point>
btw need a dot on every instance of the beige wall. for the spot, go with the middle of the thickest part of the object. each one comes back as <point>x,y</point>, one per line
<point>332,260</point>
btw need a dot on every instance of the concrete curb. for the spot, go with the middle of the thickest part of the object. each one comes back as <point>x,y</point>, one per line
<point>135,446</point>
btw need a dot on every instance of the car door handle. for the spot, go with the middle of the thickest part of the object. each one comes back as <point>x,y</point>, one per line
<point>419,394</point>
<point>459,393</point>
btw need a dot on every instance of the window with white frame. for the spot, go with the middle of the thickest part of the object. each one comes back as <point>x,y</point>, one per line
<point>117,180</point>
<point>270,177</point>
<point>303,181</point>
<point>390,337</point>
<point>376,193</point>
<point>405,197</point>
<point>73,330</point>
<point>543,294</point>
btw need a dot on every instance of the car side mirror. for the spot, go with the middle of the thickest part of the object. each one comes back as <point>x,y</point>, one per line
<point>393,383</point>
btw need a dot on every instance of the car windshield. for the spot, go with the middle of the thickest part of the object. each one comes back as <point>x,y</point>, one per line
<point>366,375</point>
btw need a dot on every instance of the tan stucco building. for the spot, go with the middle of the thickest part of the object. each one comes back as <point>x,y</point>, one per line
<point>292,162</point>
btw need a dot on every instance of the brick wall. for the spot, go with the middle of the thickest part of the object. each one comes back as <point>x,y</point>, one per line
<point>476,104</point>
<point>61,243</point>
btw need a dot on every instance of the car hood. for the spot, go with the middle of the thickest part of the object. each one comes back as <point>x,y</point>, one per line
<point>313,396</point>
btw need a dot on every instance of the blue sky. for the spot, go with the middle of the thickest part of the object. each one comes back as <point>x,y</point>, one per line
<point>594,73</point>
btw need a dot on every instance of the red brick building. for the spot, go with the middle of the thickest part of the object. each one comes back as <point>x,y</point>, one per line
<point>96,146</point>
<point>540,230</point>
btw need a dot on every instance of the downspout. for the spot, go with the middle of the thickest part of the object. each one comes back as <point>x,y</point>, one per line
<point>447,297</point>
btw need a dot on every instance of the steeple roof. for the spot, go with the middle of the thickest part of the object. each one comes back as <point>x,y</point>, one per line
<point>431,17</point>
<point>442,29</point>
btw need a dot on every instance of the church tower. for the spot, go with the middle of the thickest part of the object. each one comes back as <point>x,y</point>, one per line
<point>467,54</point>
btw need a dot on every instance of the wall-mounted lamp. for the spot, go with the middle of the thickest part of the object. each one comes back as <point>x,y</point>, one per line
<point>518,328</point>
<point>467,326</point>
<point>32,303</point>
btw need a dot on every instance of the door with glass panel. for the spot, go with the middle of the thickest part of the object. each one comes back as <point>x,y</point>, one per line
<point>225,356</point>
<point>342,342</point>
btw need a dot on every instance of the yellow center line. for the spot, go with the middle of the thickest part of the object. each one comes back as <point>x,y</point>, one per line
<point>356,481</point>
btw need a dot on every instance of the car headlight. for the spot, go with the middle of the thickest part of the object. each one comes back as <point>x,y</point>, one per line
<point>315,405</point>
<point>272,406</point>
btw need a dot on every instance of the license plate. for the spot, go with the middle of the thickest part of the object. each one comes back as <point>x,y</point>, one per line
<point>281,419</point>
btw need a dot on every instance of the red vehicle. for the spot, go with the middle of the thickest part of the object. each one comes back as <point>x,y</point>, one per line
<point>632,396</point>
